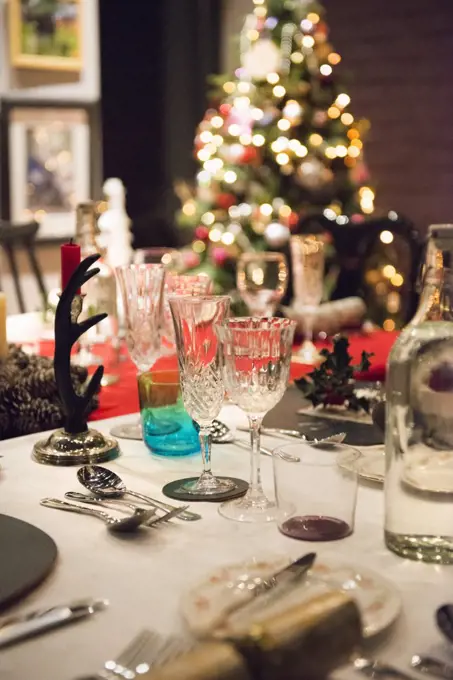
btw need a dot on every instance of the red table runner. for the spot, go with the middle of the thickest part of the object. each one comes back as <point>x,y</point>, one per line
<point>122,397</point>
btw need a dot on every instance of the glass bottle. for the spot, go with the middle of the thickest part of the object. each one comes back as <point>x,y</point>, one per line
<point>419,421</point>
<point>100,296</point>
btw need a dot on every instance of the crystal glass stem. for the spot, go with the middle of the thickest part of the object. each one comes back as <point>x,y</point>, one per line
<point>256,487</point>
<point>205,443</point>
<point>309,327</point>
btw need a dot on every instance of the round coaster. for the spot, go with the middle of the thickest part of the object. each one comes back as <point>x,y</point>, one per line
<point>174,490</point>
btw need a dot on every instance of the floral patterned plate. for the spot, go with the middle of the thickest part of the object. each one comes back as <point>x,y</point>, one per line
<point>210,604</point>
<point>371,464</point>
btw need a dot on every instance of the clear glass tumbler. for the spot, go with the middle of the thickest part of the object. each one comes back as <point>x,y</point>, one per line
<point>256,362</point>
<point>170,258</point>
<point>316,498</point>
<point>168,430</point>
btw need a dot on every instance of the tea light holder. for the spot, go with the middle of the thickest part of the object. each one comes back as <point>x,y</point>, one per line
<point>75,443</point>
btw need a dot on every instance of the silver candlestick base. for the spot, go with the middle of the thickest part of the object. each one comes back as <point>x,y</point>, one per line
<point>85,448</point>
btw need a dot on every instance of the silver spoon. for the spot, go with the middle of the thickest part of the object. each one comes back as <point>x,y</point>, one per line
<point>124,525</point>
<point>106,483</point>
<point>444,620</point>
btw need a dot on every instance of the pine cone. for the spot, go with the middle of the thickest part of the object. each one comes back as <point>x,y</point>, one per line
<point>79,373</point>
<point>39,414</point>
<point>40,383</point>
<point>15,397</point>
<point>4,422</point>
<point>18,358</point>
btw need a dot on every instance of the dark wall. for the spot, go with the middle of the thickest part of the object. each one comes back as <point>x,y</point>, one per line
<point>400,55</point>
<point>155,57</point>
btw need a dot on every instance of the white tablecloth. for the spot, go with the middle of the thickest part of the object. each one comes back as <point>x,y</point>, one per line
<point>144,577</point>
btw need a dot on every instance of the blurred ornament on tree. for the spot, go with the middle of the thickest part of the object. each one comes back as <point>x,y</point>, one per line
<point>278,142</point>
<point>219,256</point>
<point>276,235</point>
<point>225,201</point>
<point>202,233</point>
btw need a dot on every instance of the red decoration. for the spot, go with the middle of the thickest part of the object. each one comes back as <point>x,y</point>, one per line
<point>70,260</point>
<point>250,155</point>
<point>225,201</point>
<point>202,233</point>
<point>293,220</point>
<point>219,256</point>
<point>225,109</point>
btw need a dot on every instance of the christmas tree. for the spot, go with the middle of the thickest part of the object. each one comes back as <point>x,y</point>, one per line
<point>278,143</point>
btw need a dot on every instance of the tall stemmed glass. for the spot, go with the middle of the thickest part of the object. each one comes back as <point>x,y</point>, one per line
<point>200,371</point>
<point>262,279</point>
<point>141,288</point>
<point>180,284</point>
<point>256,356</point>
<point>307,255</point>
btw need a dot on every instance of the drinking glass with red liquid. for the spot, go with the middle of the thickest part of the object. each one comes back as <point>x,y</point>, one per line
<point>316,490</point>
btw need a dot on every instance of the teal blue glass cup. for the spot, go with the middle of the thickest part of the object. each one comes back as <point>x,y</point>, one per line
<point>168,430</point>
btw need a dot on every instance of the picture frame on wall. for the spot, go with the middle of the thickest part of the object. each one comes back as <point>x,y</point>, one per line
<point>53,163</point>
<point>45,34</point>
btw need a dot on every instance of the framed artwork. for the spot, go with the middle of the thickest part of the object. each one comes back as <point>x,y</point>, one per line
<point>45,34</point>
<point>53,163</point>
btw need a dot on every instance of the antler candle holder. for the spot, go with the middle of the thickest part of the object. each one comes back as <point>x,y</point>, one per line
<point>75,444</point>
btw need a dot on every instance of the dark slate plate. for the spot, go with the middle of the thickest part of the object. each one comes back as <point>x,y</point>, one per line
<point>27,555</point>
<point>357,434</point>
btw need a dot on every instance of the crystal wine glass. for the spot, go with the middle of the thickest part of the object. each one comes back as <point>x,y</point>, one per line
<point>180,284</point>
<point>200,370</point>
<point>307,254</point>
<point>141,288</point>
<point>256,355</point>
<point>262,279</point>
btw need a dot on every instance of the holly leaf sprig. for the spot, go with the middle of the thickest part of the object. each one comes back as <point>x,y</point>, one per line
<point>332,383</point>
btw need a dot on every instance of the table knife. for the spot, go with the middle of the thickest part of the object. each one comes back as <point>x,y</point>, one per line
<point>292,573</point>
<point>20,627</point>
<point>275,432</point>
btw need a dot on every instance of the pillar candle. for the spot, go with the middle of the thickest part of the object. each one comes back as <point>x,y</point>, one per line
<point>70,260</point>
<point>3,339</point>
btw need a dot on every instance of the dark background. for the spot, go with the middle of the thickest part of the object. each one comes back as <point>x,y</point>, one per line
<point>154,63</point>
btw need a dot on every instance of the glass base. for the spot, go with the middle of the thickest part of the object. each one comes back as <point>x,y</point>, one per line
<point>128,431</point>
<point>435,549</point>
<point>307,354</point>
<point>207,485</point>
<point>252,507</point>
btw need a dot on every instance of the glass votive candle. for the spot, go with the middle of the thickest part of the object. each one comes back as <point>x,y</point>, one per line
<point>168,430</point>
<point>316,498</point>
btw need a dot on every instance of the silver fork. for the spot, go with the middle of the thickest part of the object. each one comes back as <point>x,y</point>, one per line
<point>127,659</point>
<point>147,650</point>
<point>168,515</point>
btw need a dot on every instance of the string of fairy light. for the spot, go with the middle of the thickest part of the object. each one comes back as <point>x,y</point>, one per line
<point>223,140</point>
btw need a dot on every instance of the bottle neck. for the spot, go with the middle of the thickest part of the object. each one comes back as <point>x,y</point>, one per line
<point>87,232</point>
<point>436,300</point>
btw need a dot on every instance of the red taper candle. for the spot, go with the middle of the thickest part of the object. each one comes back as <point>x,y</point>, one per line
<point>70,260</point>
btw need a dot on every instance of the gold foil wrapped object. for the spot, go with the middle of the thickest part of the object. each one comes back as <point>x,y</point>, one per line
<point>307,641</point>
